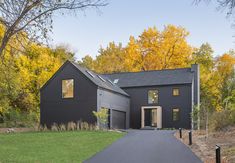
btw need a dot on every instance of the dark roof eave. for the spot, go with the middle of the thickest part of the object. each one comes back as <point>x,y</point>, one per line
<point>155,85</point>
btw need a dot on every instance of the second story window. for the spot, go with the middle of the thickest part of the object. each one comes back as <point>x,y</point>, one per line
<point>67,88</point>
<point>176,92</point>
<point>153,96</point>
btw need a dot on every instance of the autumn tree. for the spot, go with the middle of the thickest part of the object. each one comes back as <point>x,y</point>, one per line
<point>204,57</point>
<point>32,19</point>
<point>155,50</point>
<point>110,59</point>
<point>87,62</point>
<point>225,70</point>
<point>35,66</point>
<point>152,50</point>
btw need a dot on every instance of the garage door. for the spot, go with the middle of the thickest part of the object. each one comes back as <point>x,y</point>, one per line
<point>118,119</point>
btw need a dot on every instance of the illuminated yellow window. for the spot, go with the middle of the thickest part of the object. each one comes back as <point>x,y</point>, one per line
<point>176,92</point>
<point>152,96</point>
<point>67,88</point>
<point>176,114</point>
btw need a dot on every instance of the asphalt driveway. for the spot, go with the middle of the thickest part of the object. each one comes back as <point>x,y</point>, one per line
<point>146,146</point>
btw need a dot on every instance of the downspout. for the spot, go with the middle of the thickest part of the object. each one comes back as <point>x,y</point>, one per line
<point>192,104</point>
<point>196,91</point>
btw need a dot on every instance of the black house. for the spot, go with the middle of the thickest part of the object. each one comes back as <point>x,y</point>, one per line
<point>162,98</point>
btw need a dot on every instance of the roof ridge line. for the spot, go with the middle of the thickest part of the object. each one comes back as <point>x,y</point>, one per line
<point>146,71</point>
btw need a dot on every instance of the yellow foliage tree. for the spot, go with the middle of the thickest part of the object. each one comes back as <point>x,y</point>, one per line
<point>152,50</point>
<point>156,50</point>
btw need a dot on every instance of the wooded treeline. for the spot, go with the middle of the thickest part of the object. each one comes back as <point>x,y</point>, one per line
<point>25,68</point>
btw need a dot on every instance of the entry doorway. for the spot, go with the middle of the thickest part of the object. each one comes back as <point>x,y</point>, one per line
<point>151,116</point>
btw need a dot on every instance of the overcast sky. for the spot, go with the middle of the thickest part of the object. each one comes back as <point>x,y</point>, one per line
<point>88,31</point>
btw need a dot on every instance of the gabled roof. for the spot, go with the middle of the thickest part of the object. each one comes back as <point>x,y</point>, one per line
<point>100,80</point>
<point>152,78</point>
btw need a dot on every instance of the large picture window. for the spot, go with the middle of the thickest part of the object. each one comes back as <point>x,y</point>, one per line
<point>67,88</point>
<point>153,96</point>
<point>176,114</point>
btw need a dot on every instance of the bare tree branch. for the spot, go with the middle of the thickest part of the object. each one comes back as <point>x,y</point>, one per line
<point>34,17</point>
<point>228,5</point>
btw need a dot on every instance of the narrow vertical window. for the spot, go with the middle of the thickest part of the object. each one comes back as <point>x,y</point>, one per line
<point>176,114</point>
<point>176,91</point>
<point>67,88</point>
<point>153,96</point>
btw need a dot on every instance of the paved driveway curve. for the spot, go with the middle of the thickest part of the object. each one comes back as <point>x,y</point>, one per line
<point>146,146</point>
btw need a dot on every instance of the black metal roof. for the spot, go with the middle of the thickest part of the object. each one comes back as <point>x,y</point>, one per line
<point>152,78</point>
<point>100,80</point>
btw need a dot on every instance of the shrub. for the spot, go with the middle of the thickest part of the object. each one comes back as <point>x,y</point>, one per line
<point>71,126</point>
<point>78,125</point>
<point>54,127</point>
<point>62,127</point>
<point>219,120</point>
<point>45,128</point>
<point>102,117</point>
<point>84,126</point>
<point>16,118</point>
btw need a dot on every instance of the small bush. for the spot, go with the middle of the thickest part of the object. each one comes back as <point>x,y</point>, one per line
<point>54,127</point>
<point>219,120</point>
<point>102,117</point>
<point>71,126</point>
<point>45,128</point>
<point>92,127</point>
<point>84,126</point>
<point>78,125</point>
<point>62,127</point>
<point>16,118</point>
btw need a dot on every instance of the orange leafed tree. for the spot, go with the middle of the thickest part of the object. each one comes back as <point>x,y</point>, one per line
<point>152,50</point>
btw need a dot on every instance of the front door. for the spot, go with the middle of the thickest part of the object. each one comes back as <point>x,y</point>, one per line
<point>151,116</point>
<point>148,117</point>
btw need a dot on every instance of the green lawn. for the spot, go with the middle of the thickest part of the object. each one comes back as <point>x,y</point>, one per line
<point>56,147</point>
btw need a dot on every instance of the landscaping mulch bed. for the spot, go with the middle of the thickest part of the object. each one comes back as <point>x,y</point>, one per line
<point>204,147</point>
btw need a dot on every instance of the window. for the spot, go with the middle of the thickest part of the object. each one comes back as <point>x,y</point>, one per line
<point>67,88</point>
<point>115,81</point>
<point>110,82</point>
<point>101,78</point>
<point>176,91</point>
<point>152,96</point>
<point>176,114</point>
<point>90,73</point>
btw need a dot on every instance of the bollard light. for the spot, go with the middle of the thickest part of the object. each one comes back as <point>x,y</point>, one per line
<point>190,138</point>
<point>180,130</point>
<point>217,154</point>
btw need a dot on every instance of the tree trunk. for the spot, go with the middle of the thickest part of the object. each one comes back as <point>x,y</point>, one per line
<point>207,124</point>
<point>4,42</point>
<point>198,118</point>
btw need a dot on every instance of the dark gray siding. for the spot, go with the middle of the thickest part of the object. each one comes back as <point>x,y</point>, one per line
<point>113,101</point>
<point>139,98</point>
<point>56,109</point>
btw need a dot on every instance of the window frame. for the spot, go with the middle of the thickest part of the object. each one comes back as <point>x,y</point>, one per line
<point>173,114</point>
<point>157,96</point>
<point>62,88</point>
<point>173,91</point>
